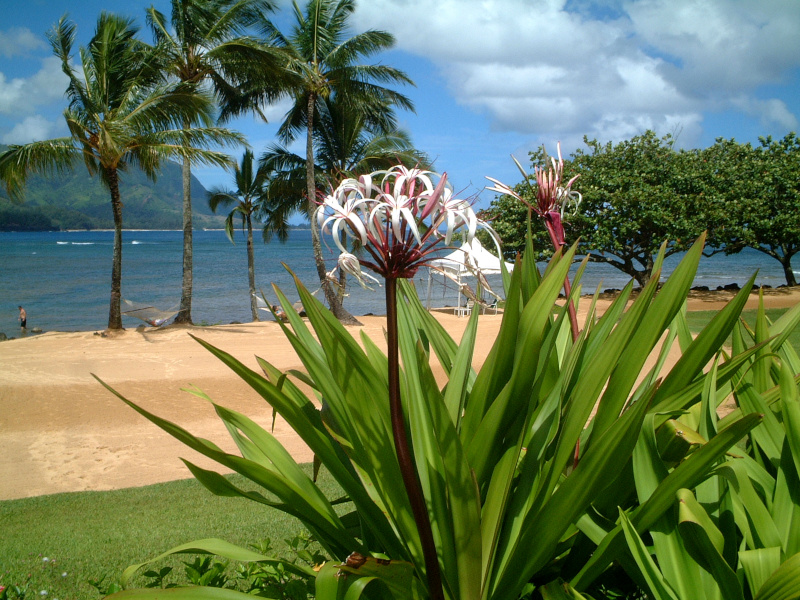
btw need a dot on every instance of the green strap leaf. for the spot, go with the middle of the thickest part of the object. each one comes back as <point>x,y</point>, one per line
<point>759,565</point>
<point>345,581</point>
<point>705,544</point>
<point>658,586</point>
<point>687,475</point>
<point>790,406</point>
<point>784,583</point>
<point>560,590</point>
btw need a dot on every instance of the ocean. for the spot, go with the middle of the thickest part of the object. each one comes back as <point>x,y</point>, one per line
<point>63,278</point>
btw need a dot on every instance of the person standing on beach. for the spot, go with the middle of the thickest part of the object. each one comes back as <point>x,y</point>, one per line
<point>23,318</point>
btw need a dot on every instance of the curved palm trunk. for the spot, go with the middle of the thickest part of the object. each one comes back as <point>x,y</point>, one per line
<point>114,314</point>
<point>251,269</point>
<point>185,313</point>
<point>311,189</point>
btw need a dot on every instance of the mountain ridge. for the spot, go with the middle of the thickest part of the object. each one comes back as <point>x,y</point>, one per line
<point>75,200</point>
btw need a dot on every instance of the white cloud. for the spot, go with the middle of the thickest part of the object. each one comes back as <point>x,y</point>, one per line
<point>31,129</point>
<point>606,69</point>
<point>276,112</point>
<point>18,41</point>
<point>721,45</point>
<point>770,112</point>
<point>20,96</point>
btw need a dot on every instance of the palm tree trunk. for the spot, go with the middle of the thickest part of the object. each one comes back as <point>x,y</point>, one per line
<point>114,314</point>
<point>185,313</point>
<point>311,190</point>
<point>251,269</point>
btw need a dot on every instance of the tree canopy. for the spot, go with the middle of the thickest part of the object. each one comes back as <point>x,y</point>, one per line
<point>756,191</point>
<point>640,193</point>
<point>324,63</point>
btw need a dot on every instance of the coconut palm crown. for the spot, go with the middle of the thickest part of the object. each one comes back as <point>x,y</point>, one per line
<point>205,43</point>
<point>345,146</point>
<point>325,63</point>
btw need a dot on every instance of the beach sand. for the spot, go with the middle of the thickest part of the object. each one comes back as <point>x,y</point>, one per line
<point>61,431</point>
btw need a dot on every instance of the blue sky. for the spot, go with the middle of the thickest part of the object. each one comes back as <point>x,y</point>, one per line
<point>502,77</point>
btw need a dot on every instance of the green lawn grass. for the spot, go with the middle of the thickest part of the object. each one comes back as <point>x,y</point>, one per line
<point>91,535</point>
<point>699,319</point>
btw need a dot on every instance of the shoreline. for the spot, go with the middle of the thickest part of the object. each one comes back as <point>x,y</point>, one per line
<point>699,293</point>
<point>62,431</point>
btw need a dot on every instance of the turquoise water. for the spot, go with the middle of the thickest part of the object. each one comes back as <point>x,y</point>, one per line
<point>63,278</point>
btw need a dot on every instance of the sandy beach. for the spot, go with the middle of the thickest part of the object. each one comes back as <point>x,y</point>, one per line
<point>61,431</point>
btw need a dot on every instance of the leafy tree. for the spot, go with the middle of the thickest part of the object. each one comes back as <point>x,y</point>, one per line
<point>207,45</point>
<point>249,200</point>
<point>323,62</point>
<point>759,190</point>
<point>117,115</point>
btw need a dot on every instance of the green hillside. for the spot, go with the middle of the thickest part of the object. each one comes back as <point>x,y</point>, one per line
<point>73,200</point>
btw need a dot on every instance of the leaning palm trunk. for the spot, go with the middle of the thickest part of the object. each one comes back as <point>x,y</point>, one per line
<point>251,270</point>
<point>114,314</point>
<point>185,313</point>
<point>311,189</point>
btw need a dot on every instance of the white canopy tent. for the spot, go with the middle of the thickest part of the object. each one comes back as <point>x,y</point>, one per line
<point>465,262</point>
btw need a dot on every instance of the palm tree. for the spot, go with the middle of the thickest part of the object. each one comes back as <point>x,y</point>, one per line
<point>117,116</point>
<point>345,145</point>
<point>207,45</point>
<point>249,200</point>
<point>323,62</point>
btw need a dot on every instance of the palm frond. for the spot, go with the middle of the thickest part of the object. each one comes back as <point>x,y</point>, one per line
<point>45,158</point>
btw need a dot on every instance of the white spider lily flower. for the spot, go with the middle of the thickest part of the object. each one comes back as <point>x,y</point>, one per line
<point>400,216</point>
<point>397,209</point>
<point>403,176</point>
<point>344,214</point>
<point>349,264</point>
<point>458,212</point>
<point>502,188</point>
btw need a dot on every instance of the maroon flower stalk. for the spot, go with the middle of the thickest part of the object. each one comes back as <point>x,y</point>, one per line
<point>403,449</point>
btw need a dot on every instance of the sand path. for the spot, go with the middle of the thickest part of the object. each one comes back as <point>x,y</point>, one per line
<point>61,431</point>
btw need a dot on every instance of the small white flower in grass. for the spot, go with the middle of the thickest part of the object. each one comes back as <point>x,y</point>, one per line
<point>43,593</point>
<point>45,559</point>
<point>64,574</point>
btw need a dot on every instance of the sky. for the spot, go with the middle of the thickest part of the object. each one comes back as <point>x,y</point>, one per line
<point>496,78</point>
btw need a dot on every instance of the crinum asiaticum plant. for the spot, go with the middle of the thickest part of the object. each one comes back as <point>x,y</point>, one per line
<point>735,535</point>
<point>396,217</point>
<point>510,506</point>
